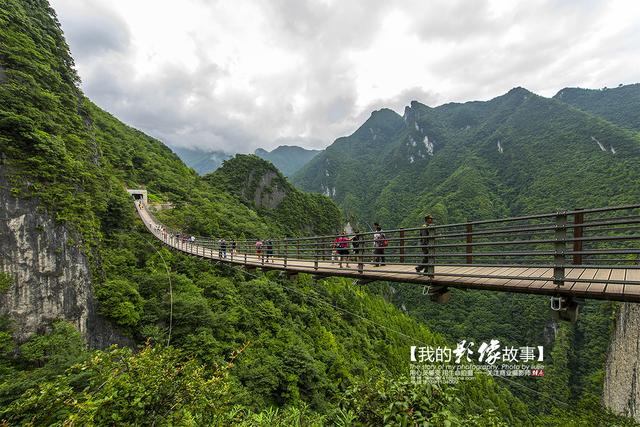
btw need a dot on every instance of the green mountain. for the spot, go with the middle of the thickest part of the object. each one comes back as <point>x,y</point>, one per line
<point>288,159</point>
<point>620,105</point>
<point>517,153</point>
<point>260,186</point>
<point>202,161</point>
<point>206,344</point>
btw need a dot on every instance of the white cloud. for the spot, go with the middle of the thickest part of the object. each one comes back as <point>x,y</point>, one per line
<point>246,74</point>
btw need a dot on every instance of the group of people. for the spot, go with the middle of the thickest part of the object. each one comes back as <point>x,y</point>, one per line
<point>344,248</point>
<point>185,238</point>
<point>380,242</point>
<point>222,247</point>
<point>264,250</point>
<point>341,246</point>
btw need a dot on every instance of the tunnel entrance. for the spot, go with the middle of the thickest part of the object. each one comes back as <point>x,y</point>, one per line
<point>138,195</point>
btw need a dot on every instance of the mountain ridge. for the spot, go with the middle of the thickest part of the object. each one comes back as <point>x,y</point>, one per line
<point>433,142</point>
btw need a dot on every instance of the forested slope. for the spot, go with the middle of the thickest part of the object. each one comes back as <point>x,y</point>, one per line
<point>222,347</point>
<point>620,105</point>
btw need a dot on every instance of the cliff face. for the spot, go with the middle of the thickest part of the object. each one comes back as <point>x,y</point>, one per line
<point>621,391</point>
<point>49,275</point>
<point>268,194</point>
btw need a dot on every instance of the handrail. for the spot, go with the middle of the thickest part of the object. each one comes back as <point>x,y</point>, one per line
<point>552,245</point>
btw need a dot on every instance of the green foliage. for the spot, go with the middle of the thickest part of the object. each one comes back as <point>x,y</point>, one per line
<point>260,186</point>
<point>380,401</point>
<point>619,105</point>
<point>56,349</point>
<point>156,386</point>
<point>119,300</point>
<point>5,281</point>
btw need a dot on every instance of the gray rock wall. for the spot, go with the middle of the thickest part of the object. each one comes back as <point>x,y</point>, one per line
<point>621,393</point>
<point>50,277</point>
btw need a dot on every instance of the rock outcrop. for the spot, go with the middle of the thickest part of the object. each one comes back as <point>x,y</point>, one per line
<point>621,392</point>
<point>49,276</point>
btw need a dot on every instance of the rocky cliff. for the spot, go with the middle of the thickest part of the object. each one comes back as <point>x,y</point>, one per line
<point>48,275</point>
<point>621,393</point>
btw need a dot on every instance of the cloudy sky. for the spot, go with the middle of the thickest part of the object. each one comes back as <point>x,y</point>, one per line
<point>242,74</point>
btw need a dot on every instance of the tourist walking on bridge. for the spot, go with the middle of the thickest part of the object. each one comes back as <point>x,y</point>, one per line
<point>342,248</point>
<point>259,248</point>
<point>269,244</point>
<point>424,241</point>
<point>357,242</point>
<point>222,252</point>
<point>379,243</point>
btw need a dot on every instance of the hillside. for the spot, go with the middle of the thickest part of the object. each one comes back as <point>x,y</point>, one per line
<point>199,343</point>
<point>620,105</point>
<point>287,158</point>
<point>259,185</point>
<point>222,346</point>
<point>516,154</point>
<point>518,148</point>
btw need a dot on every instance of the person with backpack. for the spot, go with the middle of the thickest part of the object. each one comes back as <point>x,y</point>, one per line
<point>223,248</point>
<point>424,241</point>
<point>379,243</point>
<point>357,242</point>
<point>259,248</point>
<point>269,244</point>
<point>342,248</point>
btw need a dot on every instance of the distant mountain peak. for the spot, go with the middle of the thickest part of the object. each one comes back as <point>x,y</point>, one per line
<point>287,158</point>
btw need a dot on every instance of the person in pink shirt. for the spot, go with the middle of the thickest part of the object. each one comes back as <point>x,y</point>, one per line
<point>342,248</point>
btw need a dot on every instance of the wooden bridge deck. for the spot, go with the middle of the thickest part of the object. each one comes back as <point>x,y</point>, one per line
<point>505,278</point>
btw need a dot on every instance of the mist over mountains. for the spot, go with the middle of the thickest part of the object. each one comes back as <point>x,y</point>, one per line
<point>288,159</point>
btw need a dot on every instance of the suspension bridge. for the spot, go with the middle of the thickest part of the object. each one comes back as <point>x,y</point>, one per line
<point>569,256</point>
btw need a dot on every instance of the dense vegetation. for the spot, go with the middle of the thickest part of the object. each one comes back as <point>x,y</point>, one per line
<point>516,154</point>
<point>477,160</point>
<point>620,105</point>
<point>214,345</point>
<point>260,186</point>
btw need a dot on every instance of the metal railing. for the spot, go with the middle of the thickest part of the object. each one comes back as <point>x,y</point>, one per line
<point>549,246</point>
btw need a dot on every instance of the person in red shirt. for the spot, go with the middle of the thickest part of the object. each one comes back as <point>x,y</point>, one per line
<point>342,248</point>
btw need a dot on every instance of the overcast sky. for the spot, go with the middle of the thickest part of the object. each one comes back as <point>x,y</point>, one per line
<point>242,74</point>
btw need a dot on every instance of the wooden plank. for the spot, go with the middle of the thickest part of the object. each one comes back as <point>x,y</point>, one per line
<point>464,270</point>
<point>633,275</point>
<point>616,288</point>
<point>497,281</point>
<point>598,287</point>
<point>570,273</point>
<point>525,283</point>
<point>539,284</point>
<point>587,274</point>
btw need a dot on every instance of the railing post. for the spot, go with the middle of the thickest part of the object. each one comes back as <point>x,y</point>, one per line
<point>315,263</point>
<point>285,253</point>
<point>469,248</point>
<point>402,246</point>
<point>431,252</point>
<point>559,248</point>
<point>578,232</point>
